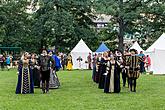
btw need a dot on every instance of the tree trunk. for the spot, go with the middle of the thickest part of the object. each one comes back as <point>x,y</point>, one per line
<point>121,27</point>
<point>121,35</point>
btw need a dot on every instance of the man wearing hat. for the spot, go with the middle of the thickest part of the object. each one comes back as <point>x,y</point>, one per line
<point>134,67</point>
<point>44,63</point>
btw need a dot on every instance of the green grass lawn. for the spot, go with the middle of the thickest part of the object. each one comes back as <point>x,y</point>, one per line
<point>78,92</point>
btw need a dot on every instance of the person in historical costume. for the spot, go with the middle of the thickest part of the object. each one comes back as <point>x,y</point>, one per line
<point>63,62</point>
<point>125,69</point>
<point>2,62</point>
<point>134,69</point>
<point>94,62</point>
<point>112,79</point>
<point>98,67</point>
<point>36,72</point>
<point>148,63</point>
<point>25,83</point>
<point>89,58</point>
<point>102,71</point>
<point>69,63</point>
<point>54,81</point>
<point>45,62</point>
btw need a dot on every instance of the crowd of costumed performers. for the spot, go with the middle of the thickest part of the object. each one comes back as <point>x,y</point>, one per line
<point>108,66</point>
<point>38,71</point>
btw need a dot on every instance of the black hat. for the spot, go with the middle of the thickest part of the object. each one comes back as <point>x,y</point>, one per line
<point>132,50</point>
<point>43,49</point>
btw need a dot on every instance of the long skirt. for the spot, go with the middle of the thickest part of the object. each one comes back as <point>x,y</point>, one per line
<point>54,81</point>
<point>36,77</point>
<point>25,83</point>
<point>112,81</point>
<point>94,73</point>
<point>102,71</point>
<point>69,66</point>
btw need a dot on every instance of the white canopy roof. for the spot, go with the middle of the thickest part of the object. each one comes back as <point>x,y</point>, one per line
<point>81,47</point>
<point>137,47</point>
<point>158,44</point>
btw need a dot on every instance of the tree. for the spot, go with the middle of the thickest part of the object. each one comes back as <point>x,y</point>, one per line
<point>62,23</point>
<point>133,16</point>
<point>15,24</point>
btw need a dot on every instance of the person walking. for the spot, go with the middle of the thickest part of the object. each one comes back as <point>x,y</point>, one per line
<point>45,61</point>
<point>134,69</point>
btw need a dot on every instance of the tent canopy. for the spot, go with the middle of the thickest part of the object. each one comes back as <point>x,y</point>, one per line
<point>102,48</point>
<point>158,44</point>
<point>137,47</point>
<point>81,47</point>
<point>157,52</point>
<point>80,50</point>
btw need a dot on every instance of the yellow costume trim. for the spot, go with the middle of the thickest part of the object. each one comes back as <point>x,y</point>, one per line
<point>29,78</point>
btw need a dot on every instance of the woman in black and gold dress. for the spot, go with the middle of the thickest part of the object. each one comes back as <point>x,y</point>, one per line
<point>112,80</point>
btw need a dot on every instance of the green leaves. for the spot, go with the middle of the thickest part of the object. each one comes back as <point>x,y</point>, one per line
<point>63,23</point>
<point>145,17</point>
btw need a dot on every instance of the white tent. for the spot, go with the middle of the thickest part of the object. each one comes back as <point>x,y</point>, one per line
<point>157,54</point>
<point>137,47</point>
<point>80,50</point>
<point>158,44</point>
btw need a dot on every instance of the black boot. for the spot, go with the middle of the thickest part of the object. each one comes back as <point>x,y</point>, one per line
<point>134,85</point>
<point>43,88</point>
<point>47,87</point>
<point>130,83</point>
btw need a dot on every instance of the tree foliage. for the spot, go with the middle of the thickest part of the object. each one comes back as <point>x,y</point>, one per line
<point>59,23</point>
<point>130,17</point>
<point>62,23</point>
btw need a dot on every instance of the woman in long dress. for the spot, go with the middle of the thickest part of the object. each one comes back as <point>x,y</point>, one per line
<point>54,82</point>
<point>36,73</point>
<point>112,80</point>
<point>94,67</point>
<point>25,83</point>
<point>69,63</point>
<point>102,70</point>
<point>98,67</point>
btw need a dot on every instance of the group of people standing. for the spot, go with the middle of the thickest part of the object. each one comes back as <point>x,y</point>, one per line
<point>108,66</point>
<point>38,71</point>
<point>6,60</point>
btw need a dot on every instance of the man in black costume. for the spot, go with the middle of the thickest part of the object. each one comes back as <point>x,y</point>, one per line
<point>44,63</point>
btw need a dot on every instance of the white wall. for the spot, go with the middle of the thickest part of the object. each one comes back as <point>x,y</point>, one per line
<point>157,61</point>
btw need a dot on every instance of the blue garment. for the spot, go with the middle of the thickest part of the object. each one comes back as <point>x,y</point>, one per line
<point>141,55</point>
<point>25,83</point>
<point>8,60</point>
<point>57,62</point>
